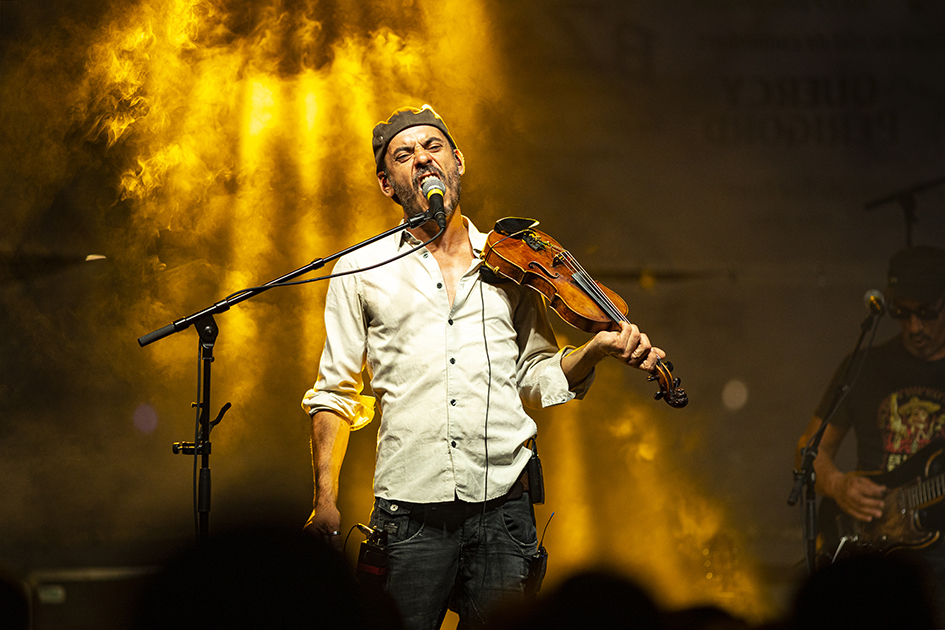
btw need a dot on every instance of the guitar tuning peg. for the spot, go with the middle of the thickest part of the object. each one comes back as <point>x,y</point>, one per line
<point>676,382</point>
<point>658,395</point>
<point>669,365</point>
<point>651,377</point>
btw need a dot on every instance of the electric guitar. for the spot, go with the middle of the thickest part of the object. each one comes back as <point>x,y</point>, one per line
<point>911,515</point>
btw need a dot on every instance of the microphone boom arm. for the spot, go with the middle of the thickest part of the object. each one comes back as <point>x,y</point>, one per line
<point>225,304</point>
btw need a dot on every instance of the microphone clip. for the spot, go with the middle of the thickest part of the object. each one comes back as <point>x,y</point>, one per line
<point>418,219</point>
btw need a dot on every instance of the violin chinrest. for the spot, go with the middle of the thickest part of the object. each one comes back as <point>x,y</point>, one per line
<point>513,225</point>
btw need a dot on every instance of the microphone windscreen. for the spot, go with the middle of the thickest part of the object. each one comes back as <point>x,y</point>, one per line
<point>432,184</point>
<point>875,301</point>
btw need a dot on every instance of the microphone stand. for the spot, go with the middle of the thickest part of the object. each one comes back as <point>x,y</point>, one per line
<point>208,333</point>
<point>906,200</point>
<point>804,475</point>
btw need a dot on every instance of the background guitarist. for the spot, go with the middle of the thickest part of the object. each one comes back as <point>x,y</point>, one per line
<point>897,404</point>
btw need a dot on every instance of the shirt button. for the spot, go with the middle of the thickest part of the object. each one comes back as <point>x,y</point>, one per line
<point>394,507</point>
<point>439,285</point>
<point>450,322</point>
<point>453,402</point>
<point>452,360</point>
<point>426,254</point>
<point>453,443</point>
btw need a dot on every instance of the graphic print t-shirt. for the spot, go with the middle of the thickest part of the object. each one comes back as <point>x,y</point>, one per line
<point>895,407</point>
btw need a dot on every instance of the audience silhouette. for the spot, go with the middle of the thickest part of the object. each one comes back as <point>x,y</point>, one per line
<point>261,577</point>
<point>867,591</point>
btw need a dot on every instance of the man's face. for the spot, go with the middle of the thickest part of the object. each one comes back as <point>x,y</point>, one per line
<point>413,155</point>
<point>923,337</point>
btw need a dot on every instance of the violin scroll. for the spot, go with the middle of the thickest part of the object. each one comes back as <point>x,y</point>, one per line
<point>670,391</point>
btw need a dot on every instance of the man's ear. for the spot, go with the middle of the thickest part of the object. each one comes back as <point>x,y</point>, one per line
<point>460,161</point>
<point>384,183</point>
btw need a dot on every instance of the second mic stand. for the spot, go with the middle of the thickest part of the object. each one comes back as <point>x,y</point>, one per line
<point>906,200</point>
<point>804,476</point>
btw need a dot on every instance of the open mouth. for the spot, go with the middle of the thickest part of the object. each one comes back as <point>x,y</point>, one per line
<point>425,177</point>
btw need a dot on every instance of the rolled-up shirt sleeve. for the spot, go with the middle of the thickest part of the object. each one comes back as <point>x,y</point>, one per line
<point>542,382</point>
<point>340,382</point>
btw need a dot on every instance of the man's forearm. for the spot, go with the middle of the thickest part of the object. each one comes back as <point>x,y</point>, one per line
<point>329,443</point>
<point>628,345</point>
<point>577,365</point>
<point>827,475</point>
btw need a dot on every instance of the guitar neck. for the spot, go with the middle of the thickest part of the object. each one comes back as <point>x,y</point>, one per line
<point>926,491</point>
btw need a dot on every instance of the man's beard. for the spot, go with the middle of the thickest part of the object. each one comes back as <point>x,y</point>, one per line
<point>411,202</point>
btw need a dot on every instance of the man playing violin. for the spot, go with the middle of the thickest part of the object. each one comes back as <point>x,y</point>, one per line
<point>897,404</point>
<point>451,360</point>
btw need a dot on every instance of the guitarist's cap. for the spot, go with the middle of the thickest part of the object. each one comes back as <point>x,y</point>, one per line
<point>917,273</point>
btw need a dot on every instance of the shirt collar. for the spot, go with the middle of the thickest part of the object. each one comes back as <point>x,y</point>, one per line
<point>476,238</point>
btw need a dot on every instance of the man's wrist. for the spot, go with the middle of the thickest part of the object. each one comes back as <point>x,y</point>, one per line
<point>325,500</point>
<point>595,351</point>
<point>829,482</point>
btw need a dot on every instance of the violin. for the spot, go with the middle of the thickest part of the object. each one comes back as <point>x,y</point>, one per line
<point>517,251</point>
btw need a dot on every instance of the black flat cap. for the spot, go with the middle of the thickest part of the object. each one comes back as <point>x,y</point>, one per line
<point>404,118</point>
<point>917,273</point>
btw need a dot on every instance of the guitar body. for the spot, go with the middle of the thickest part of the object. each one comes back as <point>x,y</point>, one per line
<point>912,516</point>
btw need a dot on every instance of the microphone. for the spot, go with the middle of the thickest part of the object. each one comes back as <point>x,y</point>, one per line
<point>875,302</point>
<point>433,190</point>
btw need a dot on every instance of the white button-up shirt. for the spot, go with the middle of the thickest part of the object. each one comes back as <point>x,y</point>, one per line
<point>449,380</point>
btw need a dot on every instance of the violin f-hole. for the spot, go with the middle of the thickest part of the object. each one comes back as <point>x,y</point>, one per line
<point>540,267</point>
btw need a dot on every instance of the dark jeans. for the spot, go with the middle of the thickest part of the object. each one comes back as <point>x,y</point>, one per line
<point>465,556</point>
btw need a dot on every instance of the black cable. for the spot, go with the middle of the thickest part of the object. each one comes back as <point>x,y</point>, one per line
<point>344,547</point>
<point>545,530</point>
<point>340,273</point>
<point>485,343</point>
<point>485,438</point>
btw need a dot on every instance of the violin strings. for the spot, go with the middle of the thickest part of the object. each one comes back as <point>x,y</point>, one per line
<point>593,289</point>
<point>589,286</point>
